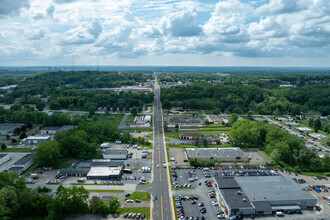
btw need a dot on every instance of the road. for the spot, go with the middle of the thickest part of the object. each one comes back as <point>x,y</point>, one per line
<point>163,205</point>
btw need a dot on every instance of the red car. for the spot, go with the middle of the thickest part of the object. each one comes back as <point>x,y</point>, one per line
<point>326,178</point>
<point>215,168</point>
<point>317,208</point>
<point>209,185</point>
<point>325,198</point>
<point>226,211</point>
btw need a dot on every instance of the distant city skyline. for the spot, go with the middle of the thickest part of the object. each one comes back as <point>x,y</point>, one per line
<point>274,33</point>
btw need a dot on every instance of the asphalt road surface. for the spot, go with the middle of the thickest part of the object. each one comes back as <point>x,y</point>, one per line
<point>160,184</point>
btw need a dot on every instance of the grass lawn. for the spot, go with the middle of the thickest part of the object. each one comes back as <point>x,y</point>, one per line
<point>151,137</point>
<point>114,119</point>
<point>168,155</point>
<point>17,149</point>
<point>111,191</point>
<point>142,210</point>
<point>66,163</point>
<point>143,196</point>
<point>200,146</point>
<point>203,132</point>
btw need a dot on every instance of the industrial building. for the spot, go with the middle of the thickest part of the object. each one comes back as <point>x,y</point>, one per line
<point>105,173</point>
<point>4,158</point>
<point>52,130</point>
<point>304,129</point>
<point>35,139</point>
<point>10,129</point>
<point>115,154</point>
<point>190,136</point>
<point>22,164</point>
<point>261,195</point>
<point>74,171</point>
<point>222,154</point>
<point>318,136</point>
<point>99,163</point>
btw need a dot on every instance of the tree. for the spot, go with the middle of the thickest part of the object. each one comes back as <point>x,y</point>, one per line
<point>233,118</point>
<point>317,125</point>
<point>3,146</point>
<point>97,205</point>
<point>134,111</point>
<point>114,205</point>
<point>311,122</point>
<point>48,154</point>
<point>167,105</point>
<point>9,204</point>
<point>22,136</point>
<point>204,142</point>
<point>197,141</point>
<point>73,199</point>
<point>55,209</point>
<point>91,110</point>
<point>13,141</point>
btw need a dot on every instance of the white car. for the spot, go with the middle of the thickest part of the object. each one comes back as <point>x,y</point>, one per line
<point>157,165</point>
<point>130,201</point>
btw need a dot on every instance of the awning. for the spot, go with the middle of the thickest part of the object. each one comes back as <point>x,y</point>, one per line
<point>286,207</point>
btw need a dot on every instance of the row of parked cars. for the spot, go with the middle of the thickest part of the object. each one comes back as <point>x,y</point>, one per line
<point>134,216</point>
<point>245,173</point>
<point>300,181</point>
<point>180,210</point>
<point>317,188</point>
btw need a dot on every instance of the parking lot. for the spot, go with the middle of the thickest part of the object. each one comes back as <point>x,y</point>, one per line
<point>198,177</point>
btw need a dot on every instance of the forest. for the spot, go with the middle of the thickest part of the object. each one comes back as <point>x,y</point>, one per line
<point>71,90</point>
<point>239,98</point>
<point>285,149</point>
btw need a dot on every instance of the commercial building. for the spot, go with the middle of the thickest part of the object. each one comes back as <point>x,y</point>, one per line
<point>22,164</point>
<point>318,136</point>
<point>147,119</point>
<point>115,154</point>
<point>35,139</point>
<point>261,195</point>
<point>292,124</point>
<point>4,158</point>
<point>10,129</point>
<point>190,136</point>
<point>304,129</point>
<point>222,154</point>
<point>74,171</point>
<point>105,173</point>
<point>52,130</point>
<point>98,163</point>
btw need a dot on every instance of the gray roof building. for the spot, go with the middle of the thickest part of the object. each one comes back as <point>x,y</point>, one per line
<point>9,129</point>
<point>222,154</point>
<point>115,154</point>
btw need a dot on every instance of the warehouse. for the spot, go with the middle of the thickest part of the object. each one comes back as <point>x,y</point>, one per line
<point>4,158</point>
<point>35,139</point>
<point>22,164</point>
<point>105,173</point>
<point>318,136</point>
<point>222,154</point>
<point>115,154</point>
<point>99,163</point>
<point>52,130</point>
<point>304,129</point>
<point>10,129</point>
<point>73,172</point>
<point>266,195</point>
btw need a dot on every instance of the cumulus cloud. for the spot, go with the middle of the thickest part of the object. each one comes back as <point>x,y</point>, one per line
<point>48,14</point>
<point>86,33</point>
<point>183,24</point>
<point>12,7</point>
<point>275,7</point>
<point>35,34</point>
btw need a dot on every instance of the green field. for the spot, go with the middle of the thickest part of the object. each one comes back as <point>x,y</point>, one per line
<point>66,163</point>
<point>17,149</point>
<point>114,119</point>
<point>143,196</point>
<point>142,210</point>
<point>203,132</point>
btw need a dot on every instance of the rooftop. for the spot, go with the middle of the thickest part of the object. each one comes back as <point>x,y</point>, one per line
<point>38,138</point>
<point>235,198</point>
<point>215,152</point>
<point>3,155</point>
<point>271,188</point>
<point>24,159</point>
<point>8,127</point>
<point>116,151</point>
<point>104,171</point>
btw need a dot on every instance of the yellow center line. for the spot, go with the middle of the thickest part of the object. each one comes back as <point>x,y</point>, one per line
<point>161,205</point>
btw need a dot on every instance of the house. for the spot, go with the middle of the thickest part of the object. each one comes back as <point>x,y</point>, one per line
<point>190,136</point>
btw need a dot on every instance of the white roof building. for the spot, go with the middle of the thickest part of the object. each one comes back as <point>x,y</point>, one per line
<point>304,129</point>
<point>318,136</point>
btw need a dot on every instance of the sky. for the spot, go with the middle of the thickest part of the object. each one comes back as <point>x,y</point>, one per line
<point>279,33</point>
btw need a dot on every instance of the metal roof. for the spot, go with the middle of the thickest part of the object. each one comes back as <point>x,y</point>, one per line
<point>227,183</point>
<point>24,159</point>
<point>3,155</point>
<point>272,188</point>
<point>9,127</point>
<point>235,199</point>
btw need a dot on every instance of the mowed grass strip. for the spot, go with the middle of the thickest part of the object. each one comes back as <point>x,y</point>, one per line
<point>143,196</point>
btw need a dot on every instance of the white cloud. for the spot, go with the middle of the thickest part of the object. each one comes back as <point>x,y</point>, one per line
<point>183,24</point>
<point>12,7</point>
<point>275,7</point>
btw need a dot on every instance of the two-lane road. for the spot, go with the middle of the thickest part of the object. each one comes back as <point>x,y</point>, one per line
<point>160,184</point>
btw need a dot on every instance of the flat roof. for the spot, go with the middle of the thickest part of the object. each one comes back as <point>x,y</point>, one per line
<point>104,171</point>
<point>272,188</point>
<point>215,152</point>
<point>8,127</point>
<point>51,128</point>
<point>227,183</point>
<point>24,159</point>
<point>235,199</point>
<point>3,155</point>
<point>116,151</point>
<point>38,138</point>
<point>74,171</point>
